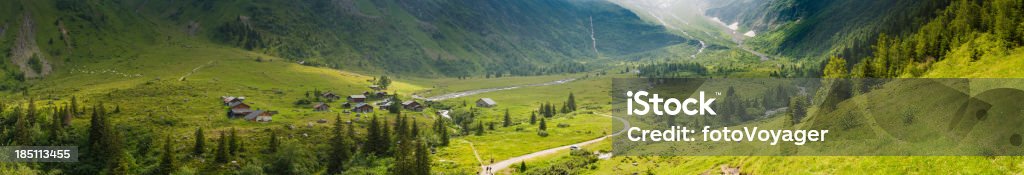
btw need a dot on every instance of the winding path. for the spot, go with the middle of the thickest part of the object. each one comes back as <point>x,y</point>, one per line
<point>501,165</point>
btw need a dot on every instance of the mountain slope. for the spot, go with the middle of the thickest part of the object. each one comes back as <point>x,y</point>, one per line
<point>807,28</point>
<point>454,38</point>
<point>425,38</point>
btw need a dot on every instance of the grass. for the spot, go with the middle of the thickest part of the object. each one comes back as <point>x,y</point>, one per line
<point>504,143</point>
<point>440,86</point>
<point>154,100</point>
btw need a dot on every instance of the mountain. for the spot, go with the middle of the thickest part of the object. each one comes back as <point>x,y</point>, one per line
<point>810,28</point>
<point>414,37</point>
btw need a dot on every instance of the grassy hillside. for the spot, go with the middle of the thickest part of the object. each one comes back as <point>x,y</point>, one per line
<point>813,29</point>
<point>423,38</point>
<point>969,39</point>
<point>439,37</point>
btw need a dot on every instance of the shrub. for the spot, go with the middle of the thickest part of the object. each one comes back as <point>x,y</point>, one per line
<point>562,125</point>
<point>35,63</point>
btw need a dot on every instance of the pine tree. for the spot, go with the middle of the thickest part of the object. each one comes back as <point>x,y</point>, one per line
<point>373,137</point>
<point>480,129</point>
<point>339,151</point>
<point>385,139</point>
<point>422,160</point>
<point>102,147</point>
<point>533,118</point>
<point>56,127</point>
<point>30,115</point>
<point>272,145</point>
<point>464,127</point>
<point>797,108</point>
<point>565,109</point>
<point>543,125</point>
<point>222,149</point>
<point>242,146</point>
<point>66,116</point>
<point>118,163</point>
<point>199,149</point>
<point>22,135</point>
<point>571,103</point>
<point>167,165</point>
<point>444,135</point>
<point>352,138</point>
<point>508,119</point>
<point>233,142</point>
<point>401,129</point>
<point>415,132</point>
<point>522,166</point>
<point>405,162</point>
<point>74,105</point>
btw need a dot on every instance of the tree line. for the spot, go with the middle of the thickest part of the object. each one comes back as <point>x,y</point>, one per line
<point>965,29</point>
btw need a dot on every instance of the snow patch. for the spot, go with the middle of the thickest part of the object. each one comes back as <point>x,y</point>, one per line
<point>750,34</point>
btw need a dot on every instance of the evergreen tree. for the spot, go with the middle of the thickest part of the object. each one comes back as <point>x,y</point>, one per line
<point>733,108</point>
<point>241,146</point>
<point>373,137</point>
<point>543,125</point>
<point>508,119</point>
<point>464,127</point>
<point>385,141</point>
<point>415,132</point>
<point>101,142</point>
<point>422,160</point>
<point>199,149</point>
<point>480,129</point>
<point>571,103</point>
<point>233,142</point>
<point>274,143</point>
<point>339,151</point>
<point>797,108</point>
<point>533,118</point>
<point>396,107</point>
<point>56,127</point>
<point>118,163</point>
<point>401,128</point>
<point>404,159</point>
<point>74,105</point>
<point>352,139</point>
<point>444,135</point>
<point>222,149</point>
<point>522,167</point>
<point>22,135</point>
<point>167,165</point>
<point>66,115</point>
<point>30,115</point>
<point>565,109</point>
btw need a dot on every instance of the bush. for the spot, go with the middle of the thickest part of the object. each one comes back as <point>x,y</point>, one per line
<point>908,118</point>
<point>301,102</point>
<point>542,133</point>
<point>35,63</point>
<point>849,121</point>
<point>562,125</point>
